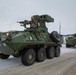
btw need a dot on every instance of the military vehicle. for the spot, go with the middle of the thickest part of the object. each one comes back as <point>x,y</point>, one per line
<point>34,43</point>
<point>71,41</point>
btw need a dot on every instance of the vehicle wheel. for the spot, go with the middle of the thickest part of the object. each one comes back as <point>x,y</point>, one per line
<point>55,36</point>
<point>68,45</point>
<point>50,51</point>
<point>28,57</point>
<point>57,51</point>
<point>3,56</point>
<point>40,54</point>
<point>73,45</point>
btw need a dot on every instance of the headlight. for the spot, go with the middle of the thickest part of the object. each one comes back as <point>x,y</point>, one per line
<point>7,34</point>
<point>8,37</point>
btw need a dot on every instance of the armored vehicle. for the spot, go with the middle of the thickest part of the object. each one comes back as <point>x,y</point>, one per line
<point>71,41</point>
<point>34,43</point>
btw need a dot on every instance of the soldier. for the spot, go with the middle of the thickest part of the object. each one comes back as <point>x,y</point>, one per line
<point>33,22</point>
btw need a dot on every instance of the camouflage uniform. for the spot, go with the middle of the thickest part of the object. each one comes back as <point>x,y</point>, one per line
<point>33,22</point>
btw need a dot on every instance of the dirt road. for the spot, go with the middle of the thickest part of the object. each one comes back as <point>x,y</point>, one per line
<point>63,65</point>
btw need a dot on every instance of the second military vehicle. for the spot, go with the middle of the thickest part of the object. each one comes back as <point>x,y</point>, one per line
<point>71,41</point>
<point>34,43</point>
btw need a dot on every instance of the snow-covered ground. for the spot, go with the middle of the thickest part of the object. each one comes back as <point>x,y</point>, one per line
<point>11,61</point>
<point>67,50</point>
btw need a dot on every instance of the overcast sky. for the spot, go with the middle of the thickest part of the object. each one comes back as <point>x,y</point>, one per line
<point>12,11</point>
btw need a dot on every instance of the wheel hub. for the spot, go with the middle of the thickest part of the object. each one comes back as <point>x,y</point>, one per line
<point>41,54</point>
<point>30,56</point>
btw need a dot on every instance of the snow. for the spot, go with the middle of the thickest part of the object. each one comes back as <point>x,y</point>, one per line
<point>66,50</point>
<point>12,62</point>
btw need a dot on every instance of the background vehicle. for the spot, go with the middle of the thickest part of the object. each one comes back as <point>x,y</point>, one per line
<point>71,41</point>
<point>34,43</point>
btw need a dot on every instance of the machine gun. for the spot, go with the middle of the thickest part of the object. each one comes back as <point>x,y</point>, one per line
<point>24,23</point>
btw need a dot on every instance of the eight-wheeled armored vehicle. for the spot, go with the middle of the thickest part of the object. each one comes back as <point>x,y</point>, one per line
<point>34,43</point>
<point>71,41</point>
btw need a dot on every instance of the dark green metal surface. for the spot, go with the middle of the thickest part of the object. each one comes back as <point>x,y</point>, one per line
<point>71,41</point>
<point>36,34</point>
<point>5,49</point>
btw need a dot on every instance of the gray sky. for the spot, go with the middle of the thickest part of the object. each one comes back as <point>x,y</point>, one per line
<point>12,11</point>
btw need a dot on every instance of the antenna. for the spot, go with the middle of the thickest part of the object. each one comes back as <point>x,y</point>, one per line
<point>60,27</point>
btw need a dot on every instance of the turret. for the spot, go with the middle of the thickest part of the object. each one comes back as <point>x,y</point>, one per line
<point>37,20</point>
<point>46,18</point>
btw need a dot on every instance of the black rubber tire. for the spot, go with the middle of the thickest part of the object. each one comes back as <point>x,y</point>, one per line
<point>3,56</point>
<point>67,45</point>
<point>50,52</point>
<point>28,57</point>
<point>40,54</point>
<point>55,36</point>
<point>73,45</point>
<point>57,51</point>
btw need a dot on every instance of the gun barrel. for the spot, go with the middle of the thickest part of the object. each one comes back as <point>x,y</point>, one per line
<point>21,22</point>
